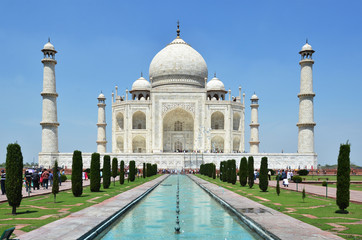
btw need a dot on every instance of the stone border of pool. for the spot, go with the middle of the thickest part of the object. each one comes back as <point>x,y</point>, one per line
<point>267,222</point>
<point>89,222</point>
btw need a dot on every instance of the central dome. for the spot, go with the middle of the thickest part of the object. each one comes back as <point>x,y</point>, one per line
<point>178,64</point>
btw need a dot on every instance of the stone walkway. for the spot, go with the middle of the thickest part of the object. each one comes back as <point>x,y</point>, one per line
<point>355,196</point>
<point>277,223</point>
<point>77,224</point>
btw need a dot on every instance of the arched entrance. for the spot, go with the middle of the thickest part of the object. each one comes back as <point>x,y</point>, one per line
<point>178,131</point>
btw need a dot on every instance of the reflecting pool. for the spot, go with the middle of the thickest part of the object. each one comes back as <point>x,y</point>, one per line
<point>201,217</point>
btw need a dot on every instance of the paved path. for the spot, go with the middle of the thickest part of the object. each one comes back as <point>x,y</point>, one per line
<point>79,223</point>
<point>277,223</point>
<point>355,196</point>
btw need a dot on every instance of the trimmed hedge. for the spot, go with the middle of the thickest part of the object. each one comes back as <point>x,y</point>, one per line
<point>95,181</point>
<point>250,171</point>
<point>114,169</point>
<point>106,171</point>
<point>303,172</point>
<point>343,178</point>
<point>263,177</point>
<point>132,170</point>
<point>243,171</point>
<point>77,174</point>
<point>14,176</point>
<point>121,174</point>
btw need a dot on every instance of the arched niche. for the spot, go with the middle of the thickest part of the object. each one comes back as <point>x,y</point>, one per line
<point>217,121</point>
<point>236,121</point>
<point>236,144</point>
<point>139,144</point>
<point>139,120</point>
<point>178,131</point>
<point>120,144</point>
<point>120,121</point>
<point>217,144</point>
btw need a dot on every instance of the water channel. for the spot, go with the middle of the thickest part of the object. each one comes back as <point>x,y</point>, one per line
<point>201,217</point>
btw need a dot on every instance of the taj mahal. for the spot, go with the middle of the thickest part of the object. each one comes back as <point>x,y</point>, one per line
<point>179,118</point>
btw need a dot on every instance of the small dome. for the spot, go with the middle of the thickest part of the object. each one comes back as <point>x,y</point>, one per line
<point>101,96</point>
<point>49,46</point>
<point>254,97</point>
<point>215,85</point>
<point>141,84</point>
<point>307,47</point>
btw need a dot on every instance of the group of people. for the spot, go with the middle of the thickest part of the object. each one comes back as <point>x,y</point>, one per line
<point>43,177</point>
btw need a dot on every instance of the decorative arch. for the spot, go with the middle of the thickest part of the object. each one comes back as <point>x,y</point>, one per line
<point>120,144</point>
<point>236,144</point>
<point>178,131</point>
<point>120,121</point>
<point>217,144</point>
<point>139,144</point>
<point>236,121</point>
<point>217,120</point>
<point>139,120</point>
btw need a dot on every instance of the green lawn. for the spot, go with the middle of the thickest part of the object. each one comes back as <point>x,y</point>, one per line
<point>330,177</point>
<point>37,211</point>
<point>317,211</point>
<point>357,187</point>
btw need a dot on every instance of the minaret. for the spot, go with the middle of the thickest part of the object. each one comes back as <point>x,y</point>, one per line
<point>49,123</point>
<point>101,136</point>
<point>306,120</point>
<point>254,125</point>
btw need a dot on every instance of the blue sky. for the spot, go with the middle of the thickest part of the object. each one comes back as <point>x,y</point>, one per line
<point>254,44</point>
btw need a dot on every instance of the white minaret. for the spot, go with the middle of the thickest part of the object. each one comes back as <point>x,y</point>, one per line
<point>306,120</point>
<point>49,123</point>
<point>101,136</point>
<point>254,125</point>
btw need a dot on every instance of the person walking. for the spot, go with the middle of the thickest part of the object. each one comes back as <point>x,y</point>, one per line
<point>28,176</point>
<point>269,175</point>
<point>3,178</point>
<point>35,179</point>
<point>45,176</point>
<point>50,178</point>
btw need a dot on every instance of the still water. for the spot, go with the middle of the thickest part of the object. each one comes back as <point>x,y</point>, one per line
<point>201,217</point>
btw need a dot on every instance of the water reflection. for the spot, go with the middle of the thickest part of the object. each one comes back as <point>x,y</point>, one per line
<point>201,217</point>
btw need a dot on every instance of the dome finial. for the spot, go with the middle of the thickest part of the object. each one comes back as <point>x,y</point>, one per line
<point>306,40</point>
<point>141,74</point>
<point>178,29</point>
<point>48,39</point>
<point>214,74</point>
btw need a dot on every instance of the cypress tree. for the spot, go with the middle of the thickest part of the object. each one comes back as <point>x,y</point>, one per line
<point>55,187</point>
<point>250,171</point>
<point>114,170</point>
<point>214,171</point>
<point>243,171</point>
<point>154,169</point>
<point>132,170</point>
<point>233,171</point>
<point>121,174</point>
<point>278,186</point>
<point>303,194</point>
<point>95,180</point>
<point>149,171</point>
<point>77,174</point>
<point>14,176</point>
<point>144,170</point>
<point>229,171</point>
<point>106,171</point>
<point>263,177</point>
<point>343,178</point>
<point>224,171</point>
<point>220,169</point>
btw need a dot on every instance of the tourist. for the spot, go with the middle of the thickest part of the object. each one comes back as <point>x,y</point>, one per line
<point>45,176</point>
<point>269,175</point>
<point>3,178</point>
<point>28,179</point>
<point>255,173</point>
<point>284,175</point>
<point>59,178</point>
<point>285,182</point>
<point>35,179</point>
<point>50,178</point>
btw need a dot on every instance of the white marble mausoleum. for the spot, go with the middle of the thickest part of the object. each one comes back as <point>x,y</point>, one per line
<point>179,118</point>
